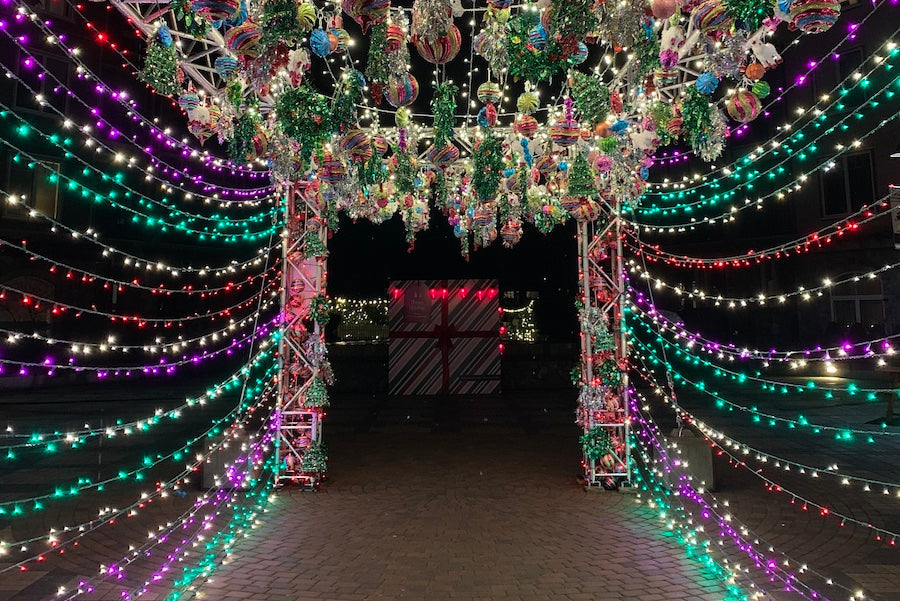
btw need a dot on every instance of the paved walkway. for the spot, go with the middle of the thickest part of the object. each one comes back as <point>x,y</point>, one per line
<point>476,516</point>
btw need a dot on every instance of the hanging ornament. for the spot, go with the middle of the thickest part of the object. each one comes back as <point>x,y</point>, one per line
<point>707,83</point>
<point>526,125</point>
<point>226,66</point>
<point>355,143</point>
<point>367,12</point>
<point>320,43</point>
<point>711,17</point>
<point>511,232</point>
<point>761,89</point>
<point>214,10</point>
<point>401,91</point>
<point>814,16</point>
<point>441,49</point>
<point>161,68</point>
<point>743,106</point>
<point>306,17</point>
<point>243,39</point>
<point>663,9</point>
<point>443,156</point>
<point>443,107</point>
<point>431,19</point>
<point>189,100</point>
<point>489,92</point>
<point>754,71</point>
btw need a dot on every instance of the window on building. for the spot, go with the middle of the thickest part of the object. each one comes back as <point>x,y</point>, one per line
<point>858,303</point>
<point>833,70</point>
<point>49,87</point>
<point>847,183</point>
<point>38,183</point>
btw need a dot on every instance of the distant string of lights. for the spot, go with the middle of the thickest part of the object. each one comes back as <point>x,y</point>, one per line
<point>732,302</point>
<point>59,308</point>
<point>56,441</point>
<point>110,198</point>
<point>256,195</point>
<point>841,434</point>
<point>130,260</point>
<point>797,358</point>
<point>780,192</point>
<point>821,238</point>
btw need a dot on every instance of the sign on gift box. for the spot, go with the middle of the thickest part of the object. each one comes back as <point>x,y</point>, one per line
<point>444,337</point>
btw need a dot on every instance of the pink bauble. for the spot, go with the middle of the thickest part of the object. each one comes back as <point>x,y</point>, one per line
<point>663,9</point>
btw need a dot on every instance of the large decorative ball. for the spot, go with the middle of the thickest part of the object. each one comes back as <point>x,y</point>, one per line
<point>755,71</point>
<point>319,42</point>
<point>743,106</point>
<point>243,39</point>
<point>367,12</point>
<point>707,83</point>
<point>489,91</point>
<point>565,133</point>
<point>761,89</point>
<point>356,144</point>
<point>441,49</point>
<point>395,37</point>
<point>443,157</point>
<point>579,55</point>
<point>587,210</point>
<point>814,16</point>
<point>527,102</point>
<point>226,66</point>
<point>306,16</point>
<point>214,10</point>
<point>402,91</point>
<point>526,125</point>
<point>663,9</point>
<point>189,100</point>
<point>712,18</point>
<point>380,143</point>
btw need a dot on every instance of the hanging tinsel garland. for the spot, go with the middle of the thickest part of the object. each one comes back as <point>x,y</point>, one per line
<point>487,166</point>
<point>246,126</point>
<point>161,66</point>
<point>279,22</point>
<point>305,116</point>
<point>750,14</point>
<point>193,23</point>
<point>596,442</point>
<point>591,97</point>
<point>527,50</point>
<point>697,114</point>
<point>313,246</point>
<point>443,106</point>
<point>347,96</point>
<point>570,22</point>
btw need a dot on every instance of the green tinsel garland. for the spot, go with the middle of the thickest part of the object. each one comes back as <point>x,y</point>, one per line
<point>441,191</point>
<point>234,92</point>
<point>591,97</point>
<point>609,372</point>
<point>316,394</point>
<point>487,166</point>
<point>646,51</point>
<point>346,98</point>
<point>525,61</point>
<point>575,375</point>
<point>320,309</point>
<point>596,442</point>
<point>241,143</point>
<point>545,222</point>
<point>377,67</point>
<point>581,178</point>
<point>697,114</point>
<point>662,113</point>
<point>192,23</point>
<point>405,174</point>
<point>161,68</point>
<point>279,22</point>
<point>443,106</point>
<point>372,171</point>
<point>305,116</point>
<point>314,459</point>
<point>750,13</point>
<point>570,22</point>
<point>313,245</point>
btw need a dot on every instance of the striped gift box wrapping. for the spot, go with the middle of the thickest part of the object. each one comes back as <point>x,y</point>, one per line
<point>444,337</point>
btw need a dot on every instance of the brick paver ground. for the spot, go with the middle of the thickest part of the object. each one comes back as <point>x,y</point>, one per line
<point>478,499</point>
